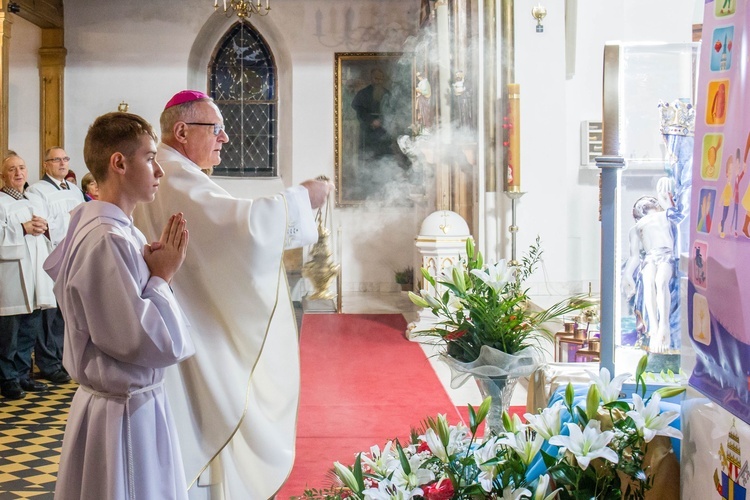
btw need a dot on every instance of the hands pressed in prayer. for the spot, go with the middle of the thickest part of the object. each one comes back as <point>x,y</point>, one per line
<point>36,226</point>
<point>164,257</point>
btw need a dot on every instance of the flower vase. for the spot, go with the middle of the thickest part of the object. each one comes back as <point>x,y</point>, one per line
<point>500,390</point>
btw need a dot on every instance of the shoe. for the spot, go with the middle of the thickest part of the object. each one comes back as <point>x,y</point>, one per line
<point>57,377</point>
<point>29,385</point>
<point>11,389</point>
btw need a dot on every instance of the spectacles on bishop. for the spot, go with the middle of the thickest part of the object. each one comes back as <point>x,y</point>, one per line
<point>218,127</point>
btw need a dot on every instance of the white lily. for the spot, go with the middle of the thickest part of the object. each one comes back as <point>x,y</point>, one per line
<point>515,494</point>
<point>482,455</point>
<point>547,423</point>
<point>417,477</point>
<point>497,275</point>
<point>346,476</point>
<point>542,487</point>
<point>609,388</point>
<point>387,490</point>
<point>432,302</point>
<point>525,449</point>
<point>587,445</point>
<point>650,422</point>
<point>447,274</point>
<point>381,461</point>
<point>435,444</point>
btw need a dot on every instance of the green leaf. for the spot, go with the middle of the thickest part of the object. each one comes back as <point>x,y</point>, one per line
<point>358,473</point>
<point>402,458</point>
<point>582,416</point>
<point>617,404</point>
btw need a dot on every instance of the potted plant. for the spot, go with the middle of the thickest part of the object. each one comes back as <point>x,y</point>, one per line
<point>485,324</point>
<point>405,278</point>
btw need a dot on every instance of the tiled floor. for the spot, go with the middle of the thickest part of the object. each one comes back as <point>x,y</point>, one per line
<point>31,432</point>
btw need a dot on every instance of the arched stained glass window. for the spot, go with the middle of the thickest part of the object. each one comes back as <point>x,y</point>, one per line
<point>242,82</point>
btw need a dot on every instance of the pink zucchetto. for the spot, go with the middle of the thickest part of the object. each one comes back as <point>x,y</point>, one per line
<point>185,96</point>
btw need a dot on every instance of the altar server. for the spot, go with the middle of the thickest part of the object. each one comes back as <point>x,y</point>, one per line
<point>236,400</point>
<point>123,327</point>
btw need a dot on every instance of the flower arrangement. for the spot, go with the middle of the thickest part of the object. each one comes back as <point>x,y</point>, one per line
<point>486,305</point>
<point>593,448</point>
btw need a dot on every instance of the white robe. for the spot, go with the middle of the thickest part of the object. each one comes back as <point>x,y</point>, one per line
<point>236,400</point>
<point>25,286</point>
<point>59,203</point>
<point>124,328</point>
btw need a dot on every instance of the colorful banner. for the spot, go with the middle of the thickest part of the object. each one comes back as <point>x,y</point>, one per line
<point>719,274</point>
<point>715,451</point>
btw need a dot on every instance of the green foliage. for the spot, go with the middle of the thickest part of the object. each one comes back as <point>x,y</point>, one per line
<point>488,305</point>
<point>404,276</point>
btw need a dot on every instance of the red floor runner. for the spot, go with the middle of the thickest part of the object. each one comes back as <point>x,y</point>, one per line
<point>362,384</point>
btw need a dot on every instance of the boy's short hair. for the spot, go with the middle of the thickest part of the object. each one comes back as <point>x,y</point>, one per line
<point>112,133</point>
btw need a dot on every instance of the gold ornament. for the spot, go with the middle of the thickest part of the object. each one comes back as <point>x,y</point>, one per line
<point>320,269</point>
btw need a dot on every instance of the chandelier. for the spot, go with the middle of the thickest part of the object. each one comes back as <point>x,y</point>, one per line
<point>245,9</point>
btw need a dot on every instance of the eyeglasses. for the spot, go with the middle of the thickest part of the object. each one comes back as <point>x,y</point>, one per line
<point>64,159</point>
<point>218,127</point>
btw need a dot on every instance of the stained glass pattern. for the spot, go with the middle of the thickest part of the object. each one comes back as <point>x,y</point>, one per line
<point>243,85</point>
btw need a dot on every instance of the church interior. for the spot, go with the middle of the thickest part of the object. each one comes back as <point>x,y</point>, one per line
<point>509,122</point>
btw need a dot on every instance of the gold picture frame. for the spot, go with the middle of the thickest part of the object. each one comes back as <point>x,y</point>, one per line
<point>373,109</point>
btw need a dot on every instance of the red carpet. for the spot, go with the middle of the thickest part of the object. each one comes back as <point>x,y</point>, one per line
<point>362,384</point>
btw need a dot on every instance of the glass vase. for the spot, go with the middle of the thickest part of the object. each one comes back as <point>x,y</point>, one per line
<point>500,389</point>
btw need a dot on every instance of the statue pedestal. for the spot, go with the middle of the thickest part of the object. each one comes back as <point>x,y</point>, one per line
<point>318,305</point>
<point>441,243</point>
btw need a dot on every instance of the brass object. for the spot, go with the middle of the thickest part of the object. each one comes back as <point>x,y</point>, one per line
<point>244,9</point>
<point>320,269</point>
<point>123,107</point>
<point>539,12</point>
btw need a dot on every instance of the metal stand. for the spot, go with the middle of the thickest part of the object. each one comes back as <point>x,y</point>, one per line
<point>514,197</point>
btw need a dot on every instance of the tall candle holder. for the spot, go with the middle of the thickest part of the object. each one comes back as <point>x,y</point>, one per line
<point>514,197</point>
<point>512,144</point>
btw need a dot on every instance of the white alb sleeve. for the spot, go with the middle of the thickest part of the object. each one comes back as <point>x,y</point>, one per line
<point>301,229</point>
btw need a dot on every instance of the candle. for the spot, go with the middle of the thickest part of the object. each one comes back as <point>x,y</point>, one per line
<point>513,142</point>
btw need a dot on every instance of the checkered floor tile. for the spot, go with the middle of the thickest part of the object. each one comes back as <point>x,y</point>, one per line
<point>31,433</point>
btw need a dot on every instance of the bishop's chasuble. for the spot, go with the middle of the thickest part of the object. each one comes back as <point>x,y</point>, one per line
<point>235,401</point>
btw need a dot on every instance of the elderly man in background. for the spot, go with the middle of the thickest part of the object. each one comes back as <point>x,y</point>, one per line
<point>61,197</point>
<point>26,289</point>
<point>236,400</point>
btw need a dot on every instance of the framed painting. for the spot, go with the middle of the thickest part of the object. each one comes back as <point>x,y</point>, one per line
<point>373,112</point>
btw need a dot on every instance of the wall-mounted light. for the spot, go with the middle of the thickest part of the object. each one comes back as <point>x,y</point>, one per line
<point>538,12</point>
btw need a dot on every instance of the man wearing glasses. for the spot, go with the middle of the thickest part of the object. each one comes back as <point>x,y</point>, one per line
<point>235,402</point>
<point>61,197</point>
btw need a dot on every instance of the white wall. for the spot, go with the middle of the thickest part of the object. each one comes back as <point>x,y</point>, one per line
<point>23,94</point>
<point>144,52</point>
<point>561,204</point>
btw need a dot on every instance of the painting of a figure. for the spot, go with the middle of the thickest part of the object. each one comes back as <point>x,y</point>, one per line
<point>374,96</point>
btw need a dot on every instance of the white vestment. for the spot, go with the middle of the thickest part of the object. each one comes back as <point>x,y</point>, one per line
<point>235,401</point>
<point>59,204</point>
<point>123,329</point>
<point>24,286</point>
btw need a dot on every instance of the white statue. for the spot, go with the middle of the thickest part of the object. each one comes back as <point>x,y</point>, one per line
<point>652,248</point>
